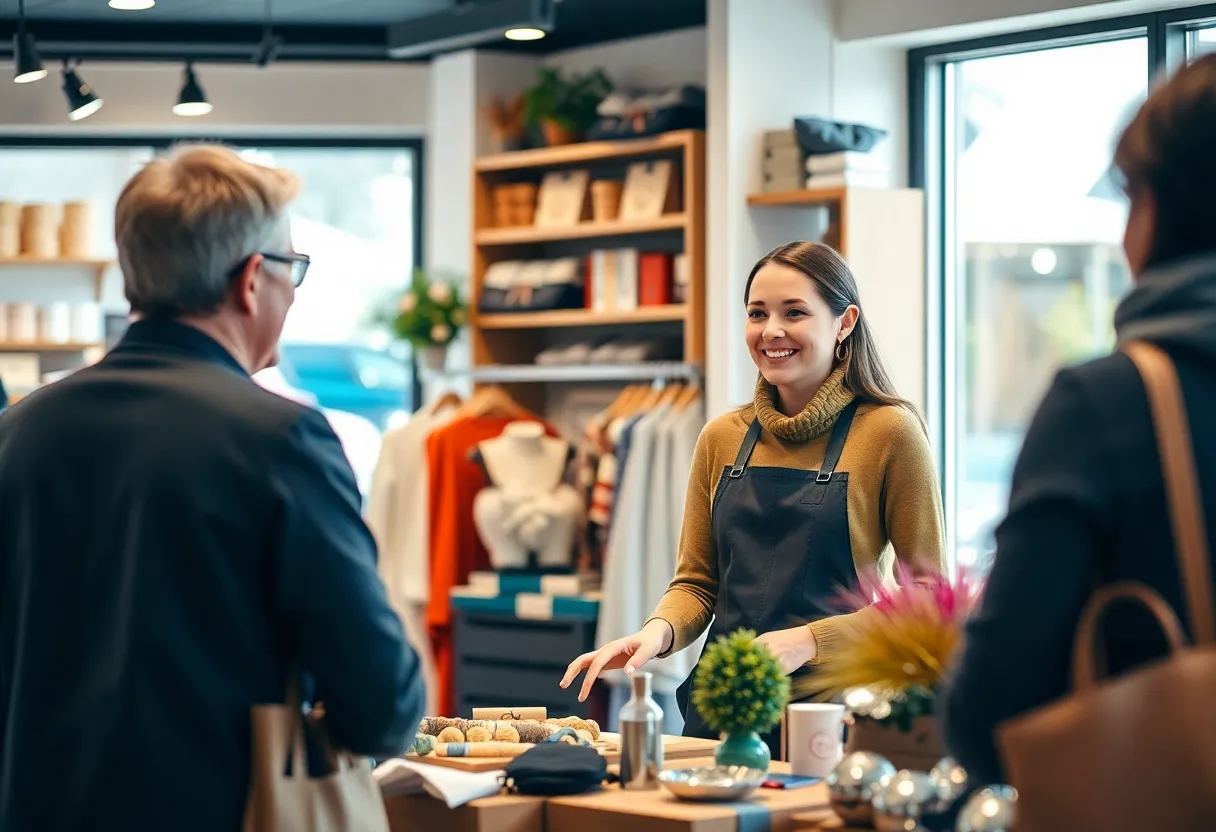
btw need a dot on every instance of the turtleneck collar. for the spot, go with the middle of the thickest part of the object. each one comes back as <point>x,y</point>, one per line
<point>814,420</point>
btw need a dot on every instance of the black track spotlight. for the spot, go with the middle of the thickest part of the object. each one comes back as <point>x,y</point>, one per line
<point>25,52</point>
<point>82,101</point>
<point>192,101</point>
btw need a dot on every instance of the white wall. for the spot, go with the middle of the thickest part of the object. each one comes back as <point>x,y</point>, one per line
<point>669,58</point>
<point>288,98</point>
<point>915,22</point>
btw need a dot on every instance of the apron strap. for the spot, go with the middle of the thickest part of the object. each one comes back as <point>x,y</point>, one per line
<point>840,432</point>
<point>745,450</point>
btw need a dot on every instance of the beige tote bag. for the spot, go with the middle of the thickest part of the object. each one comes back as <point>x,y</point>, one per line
<point>346,800</point>
<point>1135,753</point>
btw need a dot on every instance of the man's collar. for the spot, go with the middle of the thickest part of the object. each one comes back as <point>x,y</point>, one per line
<point>164,333</point>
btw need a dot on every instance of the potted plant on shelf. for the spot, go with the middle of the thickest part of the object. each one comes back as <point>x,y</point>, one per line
<point>889,662</point>
<point>565,108</point>
<point>741,693</point>
<point>428,315</point>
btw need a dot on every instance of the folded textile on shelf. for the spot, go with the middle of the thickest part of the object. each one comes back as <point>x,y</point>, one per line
<point>453,787</point>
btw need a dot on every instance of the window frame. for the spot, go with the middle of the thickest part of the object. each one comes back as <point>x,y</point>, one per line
<point>164,141</point>
<point>930,85</point>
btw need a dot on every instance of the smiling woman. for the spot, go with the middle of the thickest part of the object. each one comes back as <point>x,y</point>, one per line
<point>827,475</point>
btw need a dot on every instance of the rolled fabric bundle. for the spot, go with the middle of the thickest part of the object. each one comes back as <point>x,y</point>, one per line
<point>482,749</point>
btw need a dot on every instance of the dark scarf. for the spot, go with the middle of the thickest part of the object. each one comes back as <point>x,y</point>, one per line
<point>1173,305</point>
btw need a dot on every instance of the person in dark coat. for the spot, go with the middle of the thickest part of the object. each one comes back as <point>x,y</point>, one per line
<point>176,542</point>
<point>1087,505</point>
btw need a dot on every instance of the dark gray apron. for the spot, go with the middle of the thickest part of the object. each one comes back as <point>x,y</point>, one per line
<point>784,553</point>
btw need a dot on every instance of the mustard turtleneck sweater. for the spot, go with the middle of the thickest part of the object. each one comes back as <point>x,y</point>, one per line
<point>894,504</point>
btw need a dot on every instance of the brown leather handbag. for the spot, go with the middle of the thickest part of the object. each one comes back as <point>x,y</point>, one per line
<point>346,800</point>
<point>1137,752</point>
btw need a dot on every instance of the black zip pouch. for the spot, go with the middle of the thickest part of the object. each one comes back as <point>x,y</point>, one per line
<point>553,769</point>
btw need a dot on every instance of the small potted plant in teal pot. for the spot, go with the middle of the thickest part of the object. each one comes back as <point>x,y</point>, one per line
<point>740,693</point>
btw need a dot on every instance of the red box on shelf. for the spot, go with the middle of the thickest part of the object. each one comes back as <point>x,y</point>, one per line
<point>654,278</point>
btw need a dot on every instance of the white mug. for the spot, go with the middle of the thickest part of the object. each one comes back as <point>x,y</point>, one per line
<point>815,734</point>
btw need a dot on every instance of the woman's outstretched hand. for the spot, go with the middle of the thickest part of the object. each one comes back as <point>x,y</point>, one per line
<point>793,647</point>
<point>630,652</point>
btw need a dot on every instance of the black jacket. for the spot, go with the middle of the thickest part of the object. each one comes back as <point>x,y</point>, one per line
<point>1087,507</point>
<point>173,538</point>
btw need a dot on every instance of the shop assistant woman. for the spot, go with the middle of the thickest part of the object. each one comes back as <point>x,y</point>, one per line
<point>826,476</point>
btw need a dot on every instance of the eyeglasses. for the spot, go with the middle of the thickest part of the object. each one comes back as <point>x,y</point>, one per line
<point>299,265</point>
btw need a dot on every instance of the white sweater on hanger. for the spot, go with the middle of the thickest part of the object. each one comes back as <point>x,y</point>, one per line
<point>644,537</point>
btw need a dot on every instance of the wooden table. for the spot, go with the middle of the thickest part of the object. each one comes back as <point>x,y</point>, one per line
<point>613,809</point>
<point>502,813</point>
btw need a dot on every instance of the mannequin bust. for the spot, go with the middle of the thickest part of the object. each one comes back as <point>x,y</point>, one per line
<point>526,510</point>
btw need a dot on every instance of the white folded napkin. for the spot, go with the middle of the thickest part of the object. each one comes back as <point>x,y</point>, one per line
<point>455,788</point>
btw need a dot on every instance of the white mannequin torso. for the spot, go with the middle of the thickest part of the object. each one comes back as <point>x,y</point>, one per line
<point>522,460</point>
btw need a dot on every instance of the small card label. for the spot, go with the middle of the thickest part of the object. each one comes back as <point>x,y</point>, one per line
<point>539,714</point>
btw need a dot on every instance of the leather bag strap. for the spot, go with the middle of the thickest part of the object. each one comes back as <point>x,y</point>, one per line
<point>1181,483</point>
<point>1085,663</point>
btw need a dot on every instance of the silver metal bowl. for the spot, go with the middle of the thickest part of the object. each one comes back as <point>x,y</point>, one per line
<point>714,783</point>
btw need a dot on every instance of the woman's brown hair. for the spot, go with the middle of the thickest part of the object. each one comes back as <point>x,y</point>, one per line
<point>865,375</point>
<point>1168,151</point>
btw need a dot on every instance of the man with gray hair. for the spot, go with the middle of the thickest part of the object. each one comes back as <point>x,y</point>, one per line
<point>176,542</point>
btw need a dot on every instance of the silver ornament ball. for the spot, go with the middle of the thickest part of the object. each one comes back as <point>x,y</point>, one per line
<point>902,800</point>
<point>949,781</point>
<point>853,782</point>
<point>993,809</point>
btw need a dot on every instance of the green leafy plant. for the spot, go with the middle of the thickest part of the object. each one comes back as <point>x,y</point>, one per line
<point>570,102</point>
<point>739,686</point>
<point>429,312</point>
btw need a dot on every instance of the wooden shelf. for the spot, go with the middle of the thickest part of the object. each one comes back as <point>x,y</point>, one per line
<point>573,154</point>
<point>28,262</point>
<point>808,197</point>
<point>574,373</point>
<point>46,346</point>
<point>580,317</point>
<point>584,230</point>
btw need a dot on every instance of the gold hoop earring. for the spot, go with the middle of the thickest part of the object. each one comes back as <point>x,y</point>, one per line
<point>841,352</point>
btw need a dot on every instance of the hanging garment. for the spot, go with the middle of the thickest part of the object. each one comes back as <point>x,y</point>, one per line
<point>623,609</point>
<point>456,549</point>
<point>676,439</point>
<point>784,551</point>
<point>397,514</point>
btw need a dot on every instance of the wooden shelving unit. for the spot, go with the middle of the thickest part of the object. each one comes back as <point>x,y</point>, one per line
<point>583,231</point>
<point>97,267</point>
<point>512,340</point>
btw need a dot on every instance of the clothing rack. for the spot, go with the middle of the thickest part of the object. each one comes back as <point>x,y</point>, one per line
<point>660,372</point>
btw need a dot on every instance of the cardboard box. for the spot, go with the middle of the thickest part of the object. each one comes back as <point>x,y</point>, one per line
<point>505,813</point>
<point>658,811</point>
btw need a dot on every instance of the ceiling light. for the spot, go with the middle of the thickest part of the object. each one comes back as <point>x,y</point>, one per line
<point>25,52</point>
<point>467,25</point>
<point>192,101</point>
<point>525,33</point>
<point>132,5</point>
<point>82,101</point>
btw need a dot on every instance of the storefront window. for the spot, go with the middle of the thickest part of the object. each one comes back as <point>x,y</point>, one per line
<point>355,217</point>
<point>1033,266</point>
<point>1201,41</point>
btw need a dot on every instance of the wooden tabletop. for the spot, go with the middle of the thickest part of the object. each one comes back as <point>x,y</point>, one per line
<point>659,811</point>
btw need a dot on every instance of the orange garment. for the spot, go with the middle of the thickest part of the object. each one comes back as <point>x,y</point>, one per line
<point>456,548</point>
